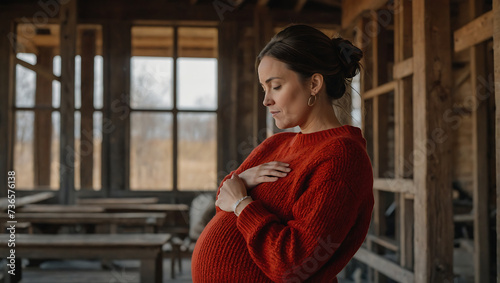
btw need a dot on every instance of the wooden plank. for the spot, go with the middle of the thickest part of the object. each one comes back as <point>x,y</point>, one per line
<point>20,201</point>
<point>480,152</point>
<point>397,185</point>
<point>496,75</point>
<point>403,138</point>
<point>463,218</point>
<point>159,207</point>
<point>476,31</point>
<point>432,177</point>
<point>112,201</point>
<point>384,241</point>
<point>89,240</point>
<point>352,10</point>
<point>384,266</point>
<point>39,70</point>
<point>403,69</point>
<point>88,52</point>
<point>263,30</point>
<point>59,208</point>
<point>379,90</point>
<point>116,110</point>
<point>68,15</point>
<point>299,5</point>
<point>7,78</point>
<point>73,218</point>
<point>43,121</point>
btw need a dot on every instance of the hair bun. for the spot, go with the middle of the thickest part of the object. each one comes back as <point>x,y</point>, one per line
<point>349,55</point>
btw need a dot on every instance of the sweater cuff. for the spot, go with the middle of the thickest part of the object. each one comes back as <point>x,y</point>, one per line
<point>252,217</point>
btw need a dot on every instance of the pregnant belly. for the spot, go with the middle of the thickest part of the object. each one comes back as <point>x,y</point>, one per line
<point>221,255</point>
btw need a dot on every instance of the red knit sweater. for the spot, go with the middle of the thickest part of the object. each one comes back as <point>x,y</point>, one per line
<point>305,226</point>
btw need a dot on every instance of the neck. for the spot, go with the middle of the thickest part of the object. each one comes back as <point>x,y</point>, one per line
<point>322,117</point>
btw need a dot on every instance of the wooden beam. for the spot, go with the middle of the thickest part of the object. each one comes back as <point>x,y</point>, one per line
<point>43,121</point>
<point>116,107</point>
<point>405,186</point>
<point>403,69</point>
<point>431,97</point>
<point>384,242</point>
<point>263,31</point>
<point>227,97</point>
<point>385,266</point>
<point>496,75</point>
<point>403,128</point>
<point>379,90</point>
<point>480,151</point>
<point>39,70</point>
<point>476,31</point>
<point>299,5</point>
<point>351,10</point>
<point>68,15</point>
<point>88,47</point>
<point>7,79</point>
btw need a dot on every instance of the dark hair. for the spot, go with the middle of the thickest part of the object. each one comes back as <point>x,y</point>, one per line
<point>307,51</point>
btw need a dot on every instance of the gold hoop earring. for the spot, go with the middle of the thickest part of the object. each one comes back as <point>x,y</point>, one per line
<point>309,103</point>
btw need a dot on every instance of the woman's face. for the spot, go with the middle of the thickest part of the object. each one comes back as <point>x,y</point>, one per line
<point>286,95</point>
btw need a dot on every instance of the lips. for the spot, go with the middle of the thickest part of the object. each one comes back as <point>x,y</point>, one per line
<point>274,112</point>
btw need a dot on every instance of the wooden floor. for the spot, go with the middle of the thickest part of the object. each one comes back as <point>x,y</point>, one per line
<point>84,271</point>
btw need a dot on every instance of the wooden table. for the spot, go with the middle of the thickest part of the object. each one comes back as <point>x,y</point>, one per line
<point>59,208</point>
<point>145,247</point>
<point>145,219</point>
<point>103,201</point>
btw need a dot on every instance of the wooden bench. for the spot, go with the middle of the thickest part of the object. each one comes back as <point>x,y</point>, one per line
<point>145,247</point>
<point>151,221</point>
<point>20,201</point>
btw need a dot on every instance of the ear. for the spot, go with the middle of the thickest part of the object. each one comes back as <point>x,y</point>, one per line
<point>316,83</point>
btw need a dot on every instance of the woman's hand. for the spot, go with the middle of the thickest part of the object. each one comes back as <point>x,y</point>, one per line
<point>267,172</point>
<point>231,191</point>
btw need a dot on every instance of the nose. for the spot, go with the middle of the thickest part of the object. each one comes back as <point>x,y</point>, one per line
<point>267,100</point>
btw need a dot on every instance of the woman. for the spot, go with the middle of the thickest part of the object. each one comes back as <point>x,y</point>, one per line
<point>299,206</point>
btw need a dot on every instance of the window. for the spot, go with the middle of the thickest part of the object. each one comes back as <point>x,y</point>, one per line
<point>37,102</point>
<point>173,102</point>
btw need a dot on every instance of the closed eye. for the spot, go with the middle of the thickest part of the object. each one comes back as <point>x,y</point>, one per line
<point>276,88</point>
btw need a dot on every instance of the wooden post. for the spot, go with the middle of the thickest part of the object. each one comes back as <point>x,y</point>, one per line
<point>116,108</point>
<point>496,55</point>
<point>88,51</point>
<point>263,32</point>
<point>43,121</point>
<point>68,18</point>
<point>479,155</point>
<point>7,75</point>
<point>403,50</point>
<point>432,153</point>
<point>227,97</point>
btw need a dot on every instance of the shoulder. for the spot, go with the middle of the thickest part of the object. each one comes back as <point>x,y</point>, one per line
<point>345,159</point>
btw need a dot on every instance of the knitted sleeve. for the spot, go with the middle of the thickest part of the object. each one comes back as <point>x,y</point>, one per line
<point>249,162</point>
<point>323,215</point>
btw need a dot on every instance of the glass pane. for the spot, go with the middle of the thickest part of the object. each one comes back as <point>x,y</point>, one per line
<point>23,150</point>
<point>98,84</point>
<point>151,151</point>
<point>152,41</point>
<point>55,161</point>
<point>197,83</point>
<point>76,152</point>
<point>25,82</point>
<point>78,81</point>
<point>151,82</point>
<point>56,85</point>
<point>198,42</point>
<point>97,150</point>
<point>197,151</point>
